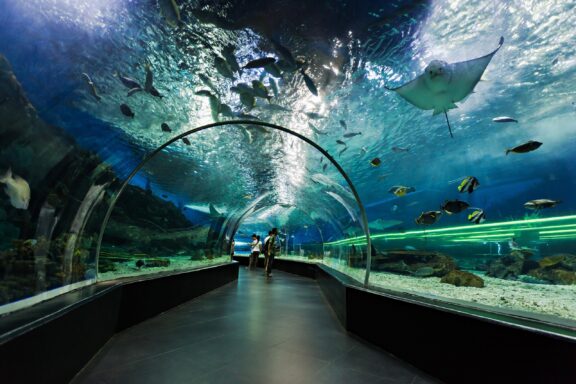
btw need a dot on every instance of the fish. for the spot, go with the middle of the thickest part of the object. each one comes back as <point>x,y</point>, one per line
<point>139,264</point>
<point>477,217</point>
<point>314,115</point>
<point>394,208</point>
<point>324,167</point>
<point>283,52</point>
<point>309,83</point>
<point>260,90</point>
<point>243,88</point>
<point>364,150</point>
<point>343,124</point>
<point>380,224</point>
<point>504,119</point>
<point>228,53</point>
<point>213,211</point>
<point>247,197</point>
<point>186,141</point>
<point>223,67</point>
<point>259,63</point>
<point>316,130</point>
<point>226,110</point>
<point>541,204</point>
<point>165,127</point>
<point>273,86</point>
<point>247,100</point>
<point>206,80</point>
<point>170,12</point>
<point>469,184</point>
<point>454,206</point>
<point>342,151</point>
<point>352,134</point>
<point>246,116</point>
<point>442,85</point>
<point>148,86</point>
<point>400,149</point>
<point>428,218</point>
<point>401,190</point>
<point>273,70</point>
<point>528,146</point>
<point>203,92</point>
<point>286,66</point>
<point>126,111</point>
<point>340,142</point>
<point>129,83</point>
<point>91,86</point>
<point>134,90</point>
<point>17,189</point>
<point>375,162</point>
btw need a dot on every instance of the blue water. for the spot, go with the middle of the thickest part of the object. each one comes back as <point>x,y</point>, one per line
<point>256,178</point>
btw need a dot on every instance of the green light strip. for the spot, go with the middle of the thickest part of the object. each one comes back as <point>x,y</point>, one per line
<point>390,236</point>
<point>551,237</point>
<point>558,231</point>
<point>505,235</point>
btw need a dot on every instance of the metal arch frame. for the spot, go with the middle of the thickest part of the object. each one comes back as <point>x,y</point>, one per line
<point>152,154</point>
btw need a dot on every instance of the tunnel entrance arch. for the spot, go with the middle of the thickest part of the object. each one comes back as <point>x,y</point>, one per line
<point>231,123</point>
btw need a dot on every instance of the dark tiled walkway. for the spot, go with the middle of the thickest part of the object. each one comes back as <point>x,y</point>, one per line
<point>253,331</point>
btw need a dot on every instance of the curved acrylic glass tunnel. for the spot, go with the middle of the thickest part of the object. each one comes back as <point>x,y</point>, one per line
<point>181,207</point>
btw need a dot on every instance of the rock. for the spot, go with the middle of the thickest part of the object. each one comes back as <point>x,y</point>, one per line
<point>551,261</point>
<point>424,272</point>
<point>409,262</point>
<point>510,266</point>
<point>555,276</point>
<point>463,279</point>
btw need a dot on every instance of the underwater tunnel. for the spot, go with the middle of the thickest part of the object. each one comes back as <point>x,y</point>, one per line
<point>414,157</point>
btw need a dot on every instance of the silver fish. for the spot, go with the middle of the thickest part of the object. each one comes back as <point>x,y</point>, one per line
<point>17,189</point>
<point>504,119</point>
<point>91,86</point>
<point>352,134</point>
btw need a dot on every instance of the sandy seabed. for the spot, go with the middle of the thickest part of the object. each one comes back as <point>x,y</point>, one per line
<point>128,269</point>
<point>546,299</point>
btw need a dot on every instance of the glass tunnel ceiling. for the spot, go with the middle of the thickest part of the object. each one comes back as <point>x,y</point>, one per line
<point>351,52</point>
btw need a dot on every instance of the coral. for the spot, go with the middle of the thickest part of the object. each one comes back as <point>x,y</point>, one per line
<point>463,279</point>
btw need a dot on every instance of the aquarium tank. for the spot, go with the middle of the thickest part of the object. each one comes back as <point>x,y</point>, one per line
<point>422,148</point>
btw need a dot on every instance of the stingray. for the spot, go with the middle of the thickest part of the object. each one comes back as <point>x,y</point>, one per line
<point>442,85</point>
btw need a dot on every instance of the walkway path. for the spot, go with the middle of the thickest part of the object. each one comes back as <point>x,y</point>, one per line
<point>249,332</point>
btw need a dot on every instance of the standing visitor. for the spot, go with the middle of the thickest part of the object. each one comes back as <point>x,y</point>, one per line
<point>255,248</point>
<point>273,249</point>
<point>265,250</point>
